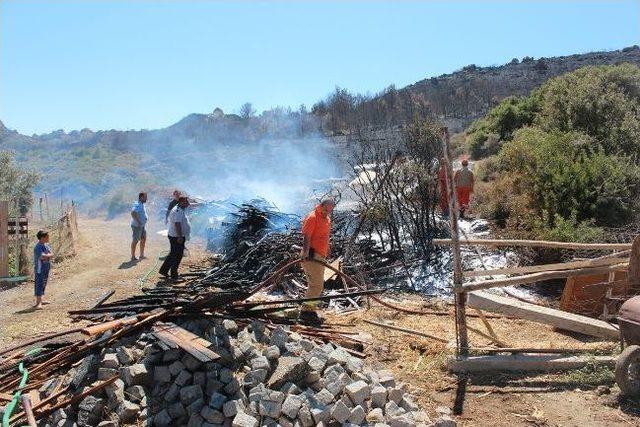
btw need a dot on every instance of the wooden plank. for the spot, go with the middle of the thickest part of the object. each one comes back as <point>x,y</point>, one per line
<point>34,395</point>
<point>586,295</point>
<point>172,334</point>
<point>104,298</point>
<point>547,267</point>
<point>535,313</point>
<point>107,326</point>
<point>634,267</point>
<point>536,244</point>
<point>540,277</point>
<point>330,274</point>
<point>532,350</point>
<point>4,239</point>
<point>525,362</point>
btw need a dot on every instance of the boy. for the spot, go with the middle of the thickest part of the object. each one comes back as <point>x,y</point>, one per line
<point>42,264</point>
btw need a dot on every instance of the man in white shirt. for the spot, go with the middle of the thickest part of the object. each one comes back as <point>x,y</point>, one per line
<point>179,232</point>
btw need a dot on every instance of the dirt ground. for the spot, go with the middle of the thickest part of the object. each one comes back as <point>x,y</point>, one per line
<point>568,399</point>
<point>564,399</point>
<point>101,264</point>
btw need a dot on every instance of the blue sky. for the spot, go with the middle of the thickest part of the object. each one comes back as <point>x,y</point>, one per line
<point>147,64</point>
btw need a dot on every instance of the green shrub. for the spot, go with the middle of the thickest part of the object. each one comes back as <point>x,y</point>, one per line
<point>602,102</point>
<point>566,174</point>
<point>16,183</point>
<point>486,136</point>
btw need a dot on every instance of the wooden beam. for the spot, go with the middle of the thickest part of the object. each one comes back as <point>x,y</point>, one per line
<point>634,267</point>
<point>547,267</point>
<point>330,274</point>
<point>175,336</point>
<point>536,244</point>
<point>494,340</point>
<point>462,339</point>
<point>487,325</point>
<point>525,362</point>
<point>535,313</point>
<point>4,239</point>
<point>542,276</point>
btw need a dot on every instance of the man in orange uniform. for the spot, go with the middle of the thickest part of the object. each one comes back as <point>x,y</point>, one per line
<point>464,186</point>
<point>316,230</point>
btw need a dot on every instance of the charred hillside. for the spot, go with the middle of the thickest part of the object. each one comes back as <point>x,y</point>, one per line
<point>458,98</point>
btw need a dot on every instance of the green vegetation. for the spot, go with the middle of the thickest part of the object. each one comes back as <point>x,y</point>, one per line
<point>511,114</point>
<point>16,183</point>
<point>564,161</point>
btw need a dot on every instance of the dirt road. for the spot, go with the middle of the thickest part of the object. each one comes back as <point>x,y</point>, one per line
<point>100,265</point>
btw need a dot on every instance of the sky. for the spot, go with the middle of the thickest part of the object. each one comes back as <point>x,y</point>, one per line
<point>146,64</point>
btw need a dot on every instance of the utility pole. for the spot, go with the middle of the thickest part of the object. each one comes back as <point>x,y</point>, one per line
<point>460,297</point>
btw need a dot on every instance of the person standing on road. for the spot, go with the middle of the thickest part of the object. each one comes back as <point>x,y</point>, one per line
<point>464,186</point>
<point>316,230</point>
<point>138,223</point>
<point>41,265</point>
<point>172,204</point>
<point>179,232</point>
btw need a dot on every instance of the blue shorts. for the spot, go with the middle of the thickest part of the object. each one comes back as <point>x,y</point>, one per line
<point>41,280</point>
<point>138,233</point>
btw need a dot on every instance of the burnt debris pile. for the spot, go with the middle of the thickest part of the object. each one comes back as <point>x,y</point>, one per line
<point>225,346</point>
<point>253,221</point>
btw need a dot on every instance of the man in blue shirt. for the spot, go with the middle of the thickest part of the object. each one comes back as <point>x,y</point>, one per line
<point>138,223</point>
<point>41,265</point>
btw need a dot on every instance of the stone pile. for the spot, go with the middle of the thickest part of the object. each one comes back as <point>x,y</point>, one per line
<point>264,376</point>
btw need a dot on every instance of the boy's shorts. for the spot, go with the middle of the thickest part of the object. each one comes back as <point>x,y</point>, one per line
<point>138,233</point>
<point>41,280</point>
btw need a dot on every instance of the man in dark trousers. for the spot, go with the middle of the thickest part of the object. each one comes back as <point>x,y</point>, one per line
<point>179,231</point>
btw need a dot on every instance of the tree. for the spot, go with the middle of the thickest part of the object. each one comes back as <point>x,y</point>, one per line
<point>16,183</point>
<point>247,111</point>
<point>602,102</point>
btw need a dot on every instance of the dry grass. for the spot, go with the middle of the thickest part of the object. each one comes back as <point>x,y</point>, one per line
<point>421,362</point>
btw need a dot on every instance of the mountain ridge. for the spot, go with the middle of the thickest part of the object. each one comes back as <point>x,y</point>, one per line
<point>455,99</point>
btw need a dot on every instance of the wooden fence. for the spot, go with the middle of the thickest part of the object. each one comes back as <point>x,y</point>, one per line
<point>16,241</point>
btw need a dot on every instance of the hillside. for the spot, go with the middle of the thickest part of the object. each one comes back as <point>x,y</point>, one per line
<point>458,98</point>
<point>209,152</point>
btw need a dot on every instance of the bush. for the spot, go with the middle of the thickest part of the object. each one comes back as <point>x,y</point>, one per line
<point>487,135</point>
<point>565,173</point>
<point>602,102</point>
<point>557,186</point>
<point>567,155</point>
<point>16,183</point>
